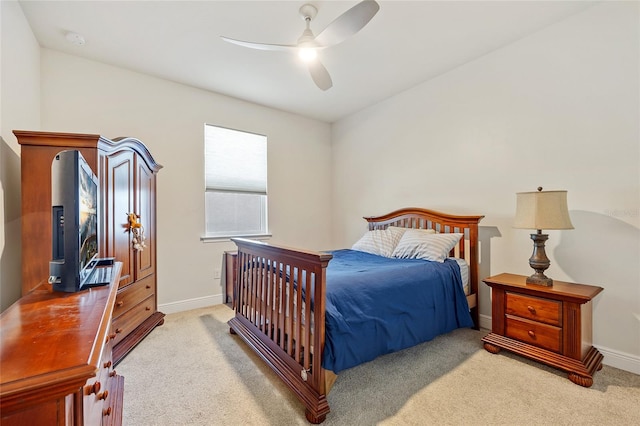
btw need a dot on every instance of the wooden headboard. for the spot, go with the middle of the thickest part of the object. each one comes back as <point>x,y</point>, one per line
<point>467,248</point>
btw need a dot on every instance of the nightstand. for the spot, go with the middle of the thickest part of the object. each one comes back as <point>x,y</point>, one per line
<point>551,325</point>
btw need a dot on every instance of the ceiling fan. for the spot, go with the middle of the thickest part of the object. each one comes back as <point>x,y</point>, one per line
<point>308,45</point>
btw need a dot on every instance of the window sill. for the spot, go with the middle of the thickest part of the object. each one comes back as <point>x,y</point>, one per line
<point>218,239</point>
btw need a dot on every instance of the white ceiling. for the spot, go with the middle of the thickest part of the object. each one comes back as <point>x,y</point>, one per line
<point>406,43</point>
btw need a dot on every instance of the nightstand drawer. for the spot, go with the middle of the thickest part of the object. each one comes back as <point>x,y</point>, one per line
<point>534,308</point>
<point>534,333</point>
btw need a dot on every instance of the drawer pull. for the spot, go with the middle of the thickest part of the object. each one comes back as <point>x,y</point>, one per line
<point>531,334</point>
<point>531,309</point>
<point>120,303</point>
<point>103,395</point>
<point>148,286</point>
<point>148,308</point>
<point>107,364</point>
<point>112,373</point>
<point>106,411</point>
<point>118,330</point>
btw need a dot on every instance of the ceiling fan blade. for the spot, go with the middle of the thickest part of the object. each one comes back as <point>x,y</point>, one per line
<point>349,23</point>
<point>262,46</point>
<point>320,75</point>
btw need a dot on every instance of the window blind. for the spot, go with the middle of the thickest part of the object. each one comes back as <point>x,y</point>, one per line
<point>235,161</point>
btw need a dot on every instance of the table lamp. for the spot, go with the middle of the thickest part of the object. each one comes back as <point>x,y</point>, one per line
<point>541,210</point>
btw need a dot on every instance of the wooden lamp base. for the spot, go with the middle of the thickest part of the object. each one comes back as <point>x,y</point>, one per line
<point>539,261</point>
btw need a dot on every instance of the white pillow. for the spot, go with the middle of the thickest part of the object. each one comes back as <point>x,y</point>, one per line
<point>417,244</point>
<point>414,238</point>
<point>379,241</point>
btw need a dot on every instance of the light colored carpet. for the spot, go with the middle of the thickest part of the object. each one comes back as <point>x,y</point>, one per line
<point>191,371</point>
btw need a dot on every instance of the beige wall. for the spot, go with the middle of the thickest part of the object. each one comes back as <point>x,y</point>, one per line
<point>19,109</point>
<point>84,96</point>
<point>558,109</point>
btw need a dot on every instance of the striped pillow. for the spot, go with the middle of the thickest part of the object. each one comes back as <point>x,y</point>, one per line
<point>379,241</point>
<point>421,245</point>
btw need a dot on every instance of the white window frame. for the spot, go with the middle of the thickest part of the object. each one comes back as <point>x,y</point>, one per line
<point>235,167</point>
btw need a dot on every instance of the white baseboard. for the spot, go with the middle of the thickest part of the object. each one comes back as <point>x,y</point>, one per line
<point>485,321</point>
<point>621,360</point>
<point>189,304</point>
<point>612,358</point>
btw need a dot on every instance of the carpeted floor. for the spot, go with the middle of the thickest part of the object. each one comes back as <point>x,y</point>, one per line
<point>191,371</point>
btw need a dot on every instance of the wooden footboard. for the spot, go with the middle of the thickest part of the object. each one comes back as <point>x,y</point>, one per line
<point>275,316</point>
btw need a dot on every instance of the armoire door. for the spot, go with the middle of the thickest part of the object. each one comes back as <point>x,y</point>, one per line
<point>146,211</point>
<point>120,180</point>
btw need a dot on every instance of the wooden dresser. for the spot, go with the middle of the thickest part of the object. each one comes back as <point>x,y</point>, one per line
<point>552,325</point>
<point>127,174</point>
<point>56,357</point>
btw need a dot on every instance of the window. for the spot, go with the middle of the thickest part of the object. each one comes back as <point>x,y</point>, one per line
<point>235,182</point>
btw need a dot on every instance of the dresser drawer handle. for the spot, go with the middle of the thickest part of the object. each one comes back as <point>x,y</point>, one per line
<point>103,395</point>
<point>531,309</point>
<point>118,330</point>
<point>531,334</point>
<point>107,364</point>
<point>120,303</point>
<point>112,373</point>
<point>106,411</point>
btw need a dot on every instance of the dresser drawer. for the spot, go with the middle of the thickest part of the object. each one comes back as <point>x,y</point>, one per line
<point>534,308</point>
<point>130,320</point>
<point>96,393</point>
<point>113,398</point>
<point>131,295</point>
<point>534,333</point>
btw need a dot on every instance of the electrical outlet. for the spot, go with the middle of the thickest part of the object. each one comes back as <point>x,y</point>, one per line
<point>216,274</point>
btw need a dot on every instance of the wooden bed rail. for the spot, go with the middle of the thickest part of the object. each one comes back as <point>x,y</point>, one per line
<point>278,319</point>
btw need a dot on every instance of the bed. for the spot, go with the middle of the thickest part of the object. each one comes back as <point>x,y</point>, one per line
<point>310,315</point>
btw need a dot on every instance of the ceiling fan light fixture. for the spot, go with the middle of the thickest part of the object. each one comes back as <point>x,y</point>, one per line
<point>307,54</point>
<point>341,28</point>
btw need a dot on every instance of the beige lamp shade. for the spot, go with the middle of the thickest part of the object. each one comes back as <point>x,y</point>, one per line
<point>542,210</point>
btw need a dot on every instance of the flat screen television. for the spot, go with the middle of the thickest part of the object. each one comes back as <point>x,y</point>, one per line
<point>75,207</point>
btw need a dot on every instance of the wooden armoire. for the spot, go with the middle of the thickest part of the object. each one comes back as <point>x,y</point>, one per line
<point>127,174</point>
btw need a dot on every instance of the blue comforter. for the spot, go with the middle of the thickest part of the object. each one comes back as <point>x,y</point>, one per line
<point>377,305</point>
